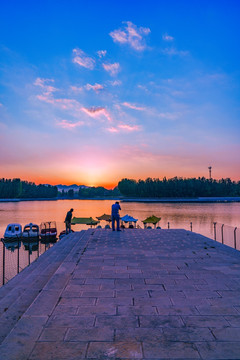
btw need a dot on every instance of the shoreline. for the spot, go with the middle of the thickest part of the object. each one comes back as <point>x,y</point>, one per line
<point>144,200</point>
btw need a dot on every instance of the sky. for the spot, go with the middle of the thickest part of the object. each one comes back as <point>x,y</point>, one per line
<point>95,91</point>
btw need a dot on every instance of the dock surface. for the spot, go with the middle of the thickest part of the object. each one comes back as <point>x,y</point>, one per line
<point>135,294</point>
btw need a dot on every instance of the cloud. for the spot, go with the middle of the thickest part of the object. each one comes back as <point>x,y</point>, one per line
<point>82,59</point>
<point>115,83</point>
<point>102,53</point>
<point>65,124</point>
<point>131,35</point>
<point>129,127</point>
<point>96,87</point>
<point>76,89</point>
<point>43,83</point>
<point>167,37</point>
<point>97,112</point>
<point>174,51</point>
<point>113,130</point>
<point>113,69</point>
<point>124,127</point>
<point>133,106</point>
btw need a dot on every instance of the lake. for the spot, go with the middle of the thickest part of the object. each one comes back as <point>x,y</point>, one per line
<point>179,215</point>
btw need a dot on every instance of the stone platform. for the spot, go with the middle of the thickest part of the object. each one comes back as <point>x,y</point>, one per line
<point>136,294</point>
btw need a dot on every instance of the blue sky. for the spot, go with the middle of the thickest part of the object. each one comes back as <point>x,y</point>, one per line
<point>91,92</point>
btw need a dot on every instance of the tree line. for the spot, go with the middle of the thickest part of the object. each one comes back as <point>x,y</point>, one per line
<point>16,189</point>
<point>179,187</point>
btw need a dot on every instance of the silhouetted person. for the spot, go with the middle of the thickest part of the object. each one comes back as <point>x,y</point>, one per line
<point>115,216</point>
<point>68,220</point>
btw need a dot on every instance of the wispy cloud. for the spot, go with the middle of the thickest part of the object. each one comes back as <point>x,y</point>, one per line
<point>124,127</point>
<point>167,37</point>
<point>173,51</point>
<point>115,83</point>
<point>97,112</point>
<point>96,87</point>
<point>44,84</point>
<point>80,58</point>
<point>65,124</point>
<point>76,88</point>
<point>113,69</point>
<point>129,127</point>
<point>132,35</point>
<point>102,53</point>
<point>133,106</point>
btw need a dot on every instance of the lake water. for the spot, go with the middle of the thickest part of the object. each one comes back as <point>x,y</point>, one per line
<point>179,215</point>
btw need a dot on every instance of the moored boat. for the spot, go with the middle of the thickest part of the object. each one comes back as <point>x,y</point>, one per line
<point>13,231</point>
<point>48,230</point>
<point>30,231</point>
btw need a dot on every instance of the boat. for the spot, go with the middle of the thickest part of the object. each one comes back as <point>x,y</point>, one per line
<point>48,230</point>
<point>13,231</point>
<point>30,231</point>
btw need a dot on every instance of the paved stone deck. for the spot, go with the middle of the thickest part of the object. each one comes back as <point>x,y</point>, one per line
<point>137,294</point>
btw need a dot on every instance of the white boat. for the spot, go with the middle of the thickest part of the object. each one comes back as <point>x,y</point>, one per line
<point>13,231</point>
<point>30,231</point>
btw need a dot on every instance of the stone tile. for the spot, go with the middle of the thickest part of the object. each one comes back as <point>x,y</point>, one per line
<point>68,310</point>
<point>170,350</point>
<point>187,334</point>
<point>217,310</point>
<point>155,321</point>
<point>226,334</point>
<point>115,301</point>
<point>20,342</point>
<point>136,310</point>
<point>77,301</point>
<point>233,320</point>
<point>116,350</point>
<point>116,322</point>
<point>219,350</point>
<point>64,320</point>
<point>139,334</point>
<point>205,321</point>
<point>93,334</point>
<point>53,334</point>
<point>97,310</point>
<point>177,310</point>
<point>59,351</point>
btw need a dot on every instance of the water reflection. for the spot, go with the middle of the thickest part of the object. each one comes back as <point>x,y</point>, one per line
<point>178,215</point>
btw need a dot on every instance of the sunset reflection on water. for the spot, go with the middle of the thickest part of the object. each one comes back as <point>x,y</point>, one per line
<point>179,215</point>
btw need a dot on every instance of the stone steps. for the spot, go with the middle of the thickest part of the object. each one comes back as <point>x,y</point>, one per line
<point>20,294</point>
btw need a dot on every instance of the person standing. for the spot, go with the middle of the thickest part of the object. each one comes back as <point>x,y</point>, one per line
<point>68,220</point>
<point>115,216</point>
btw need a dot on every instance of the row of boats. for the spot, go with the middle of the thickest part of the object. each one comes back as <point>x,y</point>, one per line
<point>31,231</point>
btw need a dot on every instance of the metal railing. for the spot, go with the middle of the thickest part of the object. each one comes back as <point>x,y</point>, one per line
<point>227,235</point>
<point>18,253</point>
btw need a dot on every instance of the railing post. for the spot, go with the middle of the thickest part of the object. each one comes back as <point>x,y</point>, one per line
<point>191,226</point>
<point>28,250</point>
<point>215,231</point>
<point>18,256</point>
<point>3,276</point>
<point>235,237</point>
<point>222,233</point>
<point>168,225</point>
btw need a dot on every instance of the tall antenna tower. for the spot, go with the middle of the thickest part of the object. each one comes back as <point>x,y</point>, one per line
<point>210,172</point>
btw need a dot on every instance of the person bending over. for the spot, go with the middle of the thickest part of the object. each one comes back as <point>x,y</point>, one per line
<point>68,220</point>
